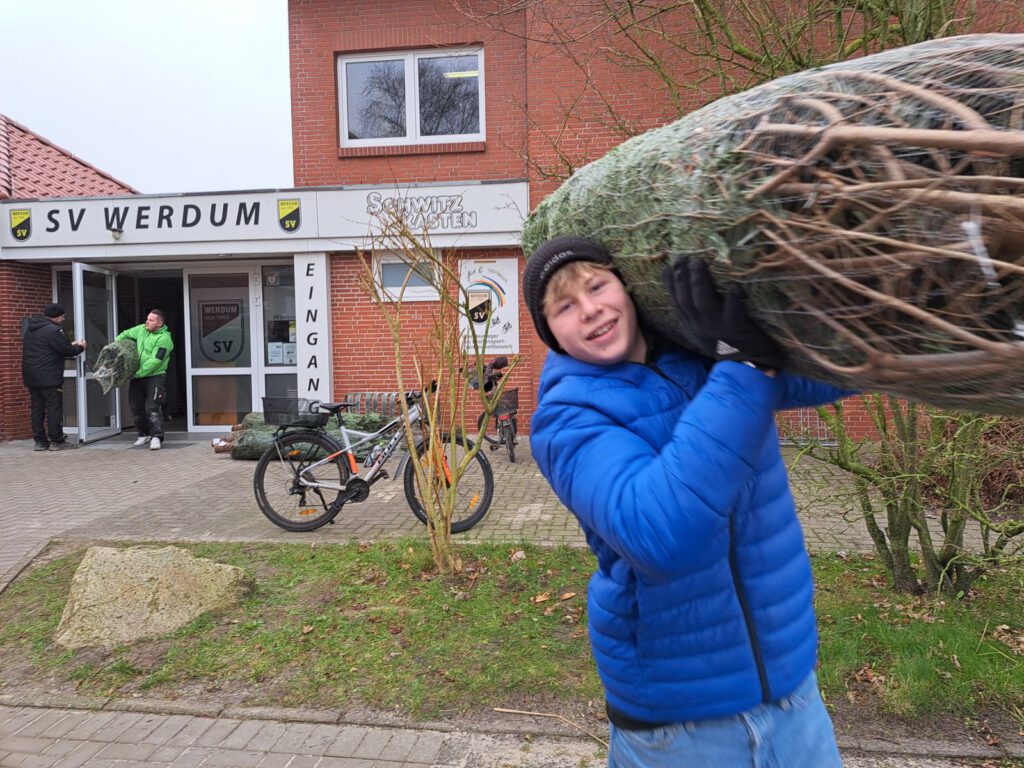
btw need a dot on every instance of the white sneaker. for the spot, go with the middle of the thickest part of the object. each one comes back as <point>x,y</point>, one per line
<point>154,444</point>
<point>142,440</point>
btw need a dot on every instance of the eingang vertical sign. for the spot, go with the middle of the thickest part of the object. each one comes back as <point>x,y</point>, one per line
<point>313,326</point>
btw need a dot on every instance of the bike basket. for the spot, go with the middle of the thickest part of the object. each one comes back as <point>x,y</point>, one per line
<point>509,401</point>
<point>292,412</point>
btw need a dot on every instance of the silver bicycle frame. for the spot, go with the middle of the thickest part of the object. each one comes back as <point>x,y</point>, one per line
<point>364,438</point>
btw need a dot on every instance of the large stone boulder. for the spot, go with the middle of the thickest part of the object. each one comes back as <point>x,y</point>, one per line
<point>123,595</point>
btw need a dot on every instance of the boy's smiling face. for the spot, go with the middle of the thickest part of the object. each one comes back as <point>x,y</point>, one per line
<point>593,317</point>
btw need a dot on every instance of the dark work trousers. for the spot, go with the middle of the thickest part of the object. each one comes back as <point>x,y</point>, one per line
<point>48,403</point>
<point>146,398</point>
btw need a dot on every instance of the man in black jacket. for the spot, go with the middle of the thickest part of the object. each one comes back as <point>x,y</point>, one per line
<point>42,368</point>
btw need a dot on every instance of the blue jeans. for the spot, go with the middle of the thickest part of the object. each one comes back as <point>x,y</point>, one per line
<point>790,732</point>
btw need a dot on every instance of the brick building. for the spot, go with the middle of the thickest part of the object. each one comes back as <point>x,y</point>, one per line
<point>33,167</point>
<point>461,119</point>
<point>547,104</point>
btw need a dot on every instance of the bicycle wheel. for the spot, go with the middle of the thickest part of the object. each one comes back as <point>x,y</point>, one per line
<point>493,438</point>
<point>475,487</point>
<point>508,437</point>
<point>282,498</point>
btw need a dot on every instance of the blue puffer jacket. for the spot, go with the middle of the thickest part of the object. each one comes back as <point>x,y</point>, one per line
<point>701,604</point>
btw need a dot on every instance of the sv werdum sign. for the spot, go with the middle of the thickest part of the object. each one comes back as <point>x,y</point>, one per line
<point>221,330</point>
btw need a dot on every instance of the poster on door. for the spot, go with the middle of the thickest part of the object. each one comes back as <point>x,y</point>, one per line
<point>492,286</point>
<point>221,330</point>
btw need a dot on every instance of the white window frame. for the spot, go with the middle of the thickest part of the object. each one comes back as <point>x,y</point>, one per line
<point>412,106</point>
<point>394,292</point>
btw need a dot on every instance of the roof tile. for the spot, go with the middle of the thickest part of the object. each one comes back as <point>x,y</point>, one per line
<point>31,166</point>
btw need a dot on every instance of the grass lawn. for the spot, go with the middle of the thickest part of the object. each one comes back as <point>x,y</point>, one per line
<point>373,626</point>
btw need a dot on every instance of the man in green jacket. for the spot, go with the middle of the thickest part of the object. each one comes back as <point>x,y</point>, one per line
<point>147,390</point>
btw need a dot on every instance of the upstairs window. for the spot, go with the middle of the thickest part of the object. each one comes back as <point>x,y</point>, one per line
<point>427,97</point>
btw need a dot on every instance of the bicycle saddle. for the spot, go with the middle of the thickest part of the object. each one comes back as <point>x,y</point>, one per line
<point>335,407</point>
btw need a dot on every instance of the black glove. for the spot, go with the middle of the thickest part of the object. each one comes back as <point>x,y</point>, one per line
<point>723,328</point>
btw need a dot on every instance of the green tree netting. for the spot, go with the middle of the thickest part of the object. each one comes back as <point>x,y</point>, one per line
<point>253,440</point>
<point>116,363</point>
<point>256,435</point>
<point>873,210</point>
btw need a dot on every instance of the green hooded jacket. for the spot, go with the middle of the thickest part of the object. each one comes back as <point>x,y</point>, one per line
<point>154,349</point>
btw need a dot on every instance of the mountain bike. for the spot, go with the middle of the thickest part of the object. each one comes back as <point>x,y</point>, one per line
<point>503,430</point>
<point>306,476</point>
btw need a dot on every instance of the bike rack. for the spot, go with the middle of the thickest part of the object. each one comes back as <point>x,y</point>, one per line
<point>385,403</point>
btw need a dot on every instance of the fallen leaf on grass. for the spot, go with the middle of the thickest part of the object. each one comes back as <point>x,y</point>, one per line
<point>543,597</point>
<point>864,680</point>
<point>1011,638</point>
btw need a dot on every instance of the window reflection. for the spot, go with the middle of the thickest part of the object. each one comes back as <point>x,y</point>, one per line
<point>221,400</point>
<point>376,99</point>
<point>449,95</point>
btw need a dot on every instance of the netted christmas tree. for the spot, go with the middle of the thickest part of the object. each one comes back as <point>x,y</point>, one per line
<point>116,363</point>
<point>873,211</point>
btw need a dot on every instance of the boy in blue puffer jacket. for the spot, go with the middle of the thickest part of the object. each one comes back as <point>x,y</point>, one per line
<point>701,616</point>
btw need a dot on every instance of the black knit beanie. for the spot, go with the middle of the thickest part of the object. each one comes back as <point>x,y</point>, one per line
<point>550,257</point>
<point>53,310</point>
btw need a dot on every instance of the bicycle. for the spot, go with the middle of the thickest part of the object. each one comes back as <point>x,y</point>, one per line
<point>305,476</point>
<point>505,425</point>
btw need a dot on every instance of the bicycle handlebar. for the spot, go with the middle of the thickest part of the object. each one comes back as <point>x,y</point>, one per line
<point>417,394</point>
<point>492,372</point>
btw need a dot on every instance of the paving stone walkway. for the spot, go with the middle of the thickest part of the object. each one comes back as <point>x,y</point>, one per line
<point>185,492</point>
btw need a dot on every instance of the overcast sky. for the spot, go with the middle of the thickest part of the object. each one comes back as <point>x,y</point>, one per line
<point>164,95</point>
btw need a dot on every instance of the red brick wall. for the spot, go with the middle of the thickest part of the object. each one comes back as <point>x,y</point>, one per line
<point>518,76</point>
<point>806,424</point>
<point>574,88</point>
<point>24,290</point>
<point>319,30</point>
<point>858,422</point>
<point>361,344</point>
<point>545,114</point>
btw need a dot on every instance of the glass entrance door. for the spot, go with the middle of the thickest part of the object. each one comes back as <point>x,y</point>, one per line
<point>90,414</point>
<point>220,347</point>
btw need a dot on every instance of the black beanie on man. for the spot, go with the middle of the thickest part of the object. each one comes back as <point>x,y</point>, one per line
<point>54,310</point>
<point>550,257</point>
